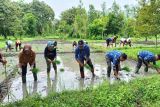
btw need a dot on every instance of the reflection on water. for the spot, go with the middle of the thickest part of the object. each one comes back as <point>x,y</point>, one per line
<point>28,92</point>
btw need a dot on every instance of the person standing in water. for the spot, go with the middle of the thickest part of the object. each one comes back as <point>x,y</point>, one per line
<point>50,54</point>
<point>18,44</point>
<point>82,56</point>
<point>146,57</point>
<point>114,57</point>
<point>25,57</point>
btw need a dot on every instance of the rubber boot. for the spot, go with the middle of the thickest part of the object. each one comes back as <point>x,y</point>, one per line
<point>35,76</point>
<point>23,79</point>
<point>82,74</point>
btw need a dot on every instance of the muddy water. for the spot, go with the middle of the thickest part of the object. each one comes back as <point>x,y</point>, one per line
<point>69,79</point>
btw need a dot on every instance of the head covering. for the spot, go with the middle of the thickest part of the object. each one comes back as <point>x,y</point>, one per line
<point>50,43</point>
<point>80,42</point>
<point>27,47</point>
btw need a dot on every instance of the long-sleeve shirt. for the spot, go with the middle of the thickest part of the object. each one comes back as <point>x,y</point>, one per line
<point>109,39</point>
<point>147,56</point>
<point>24,58</point>
<point>82,54</point>
<point>50,54</point>
<point>114,57</point>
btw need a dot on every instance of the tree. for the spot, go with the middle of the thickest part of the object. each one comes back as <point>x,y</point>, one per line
<point>98,26</point>
<point>103,6</point>
<point>29,24</point>
<point>148,19</point>
<point>129,28</point>
<point>116,20</point>
<point>10,20</point>
<point>92,14</point>
<point>43,13</point>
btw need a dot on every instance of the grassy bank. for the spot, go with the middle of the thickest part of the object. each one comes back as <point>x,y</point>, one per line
<point>139,92</point>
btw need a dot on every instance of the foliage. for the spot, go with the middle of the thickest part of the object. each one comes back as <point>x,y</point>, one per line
<point>58,62</point>
<point>35,70</point>
<point>148,18</point>
<point>139,92</point>
<point>19,18</point>
<point>116,20</point>
<point>126,68</point>
<point>61,69</point>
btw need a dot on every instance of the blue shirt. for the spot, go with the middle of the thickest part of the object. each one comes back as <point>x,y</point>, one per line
<point>147,56</point>
<point>114,57</point>
<point>82,54</point>
<point>109,39</point>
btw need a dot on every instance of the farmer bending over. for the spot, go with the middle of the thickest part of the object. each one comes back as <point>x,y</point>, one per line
<point>50,54</point>
<point>74,45</point>
<point>82,56</point>
<point>18,44</point>
<point>114,57</point>
<point>9,45</point>
<point>25,57</point>
<point>110,41</point>
<point>146,57</point>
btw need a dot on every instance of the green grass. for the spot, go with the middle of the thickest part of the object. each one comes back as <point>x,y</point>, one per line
<point>58,62</point>
<point>126,68</point>
<point>35,70</point>
<point>140,92</point>
<point>61,69</point>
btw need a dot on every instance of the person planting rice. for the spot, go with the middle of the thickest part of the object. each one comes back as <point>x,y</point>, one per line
<point>9,45</point>
<point>146,57</point>
<point>82,56</point>
<point>125,41</point>
<point>74,45</point>
<point>3,61</point>
<point>110,41</point>
<point>25,57</point>
<point>114,57</point>
<point>50,54</point>
<point>18,44</point>
<point>129,42</point>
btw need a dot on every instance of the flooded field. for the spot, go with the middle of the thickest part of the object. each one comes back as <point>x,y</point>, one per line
<point>69,79</point>
<point>68,76</point>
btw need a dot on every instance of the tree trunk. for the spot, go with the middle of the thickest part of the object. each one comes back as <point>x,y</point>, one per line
<point>102,35</point>
<point>156,40</point>
<point>146,39</point>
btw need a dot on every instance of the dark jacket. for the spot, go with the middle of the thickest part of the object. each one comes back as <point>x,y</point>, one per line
<point>50,54</point>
